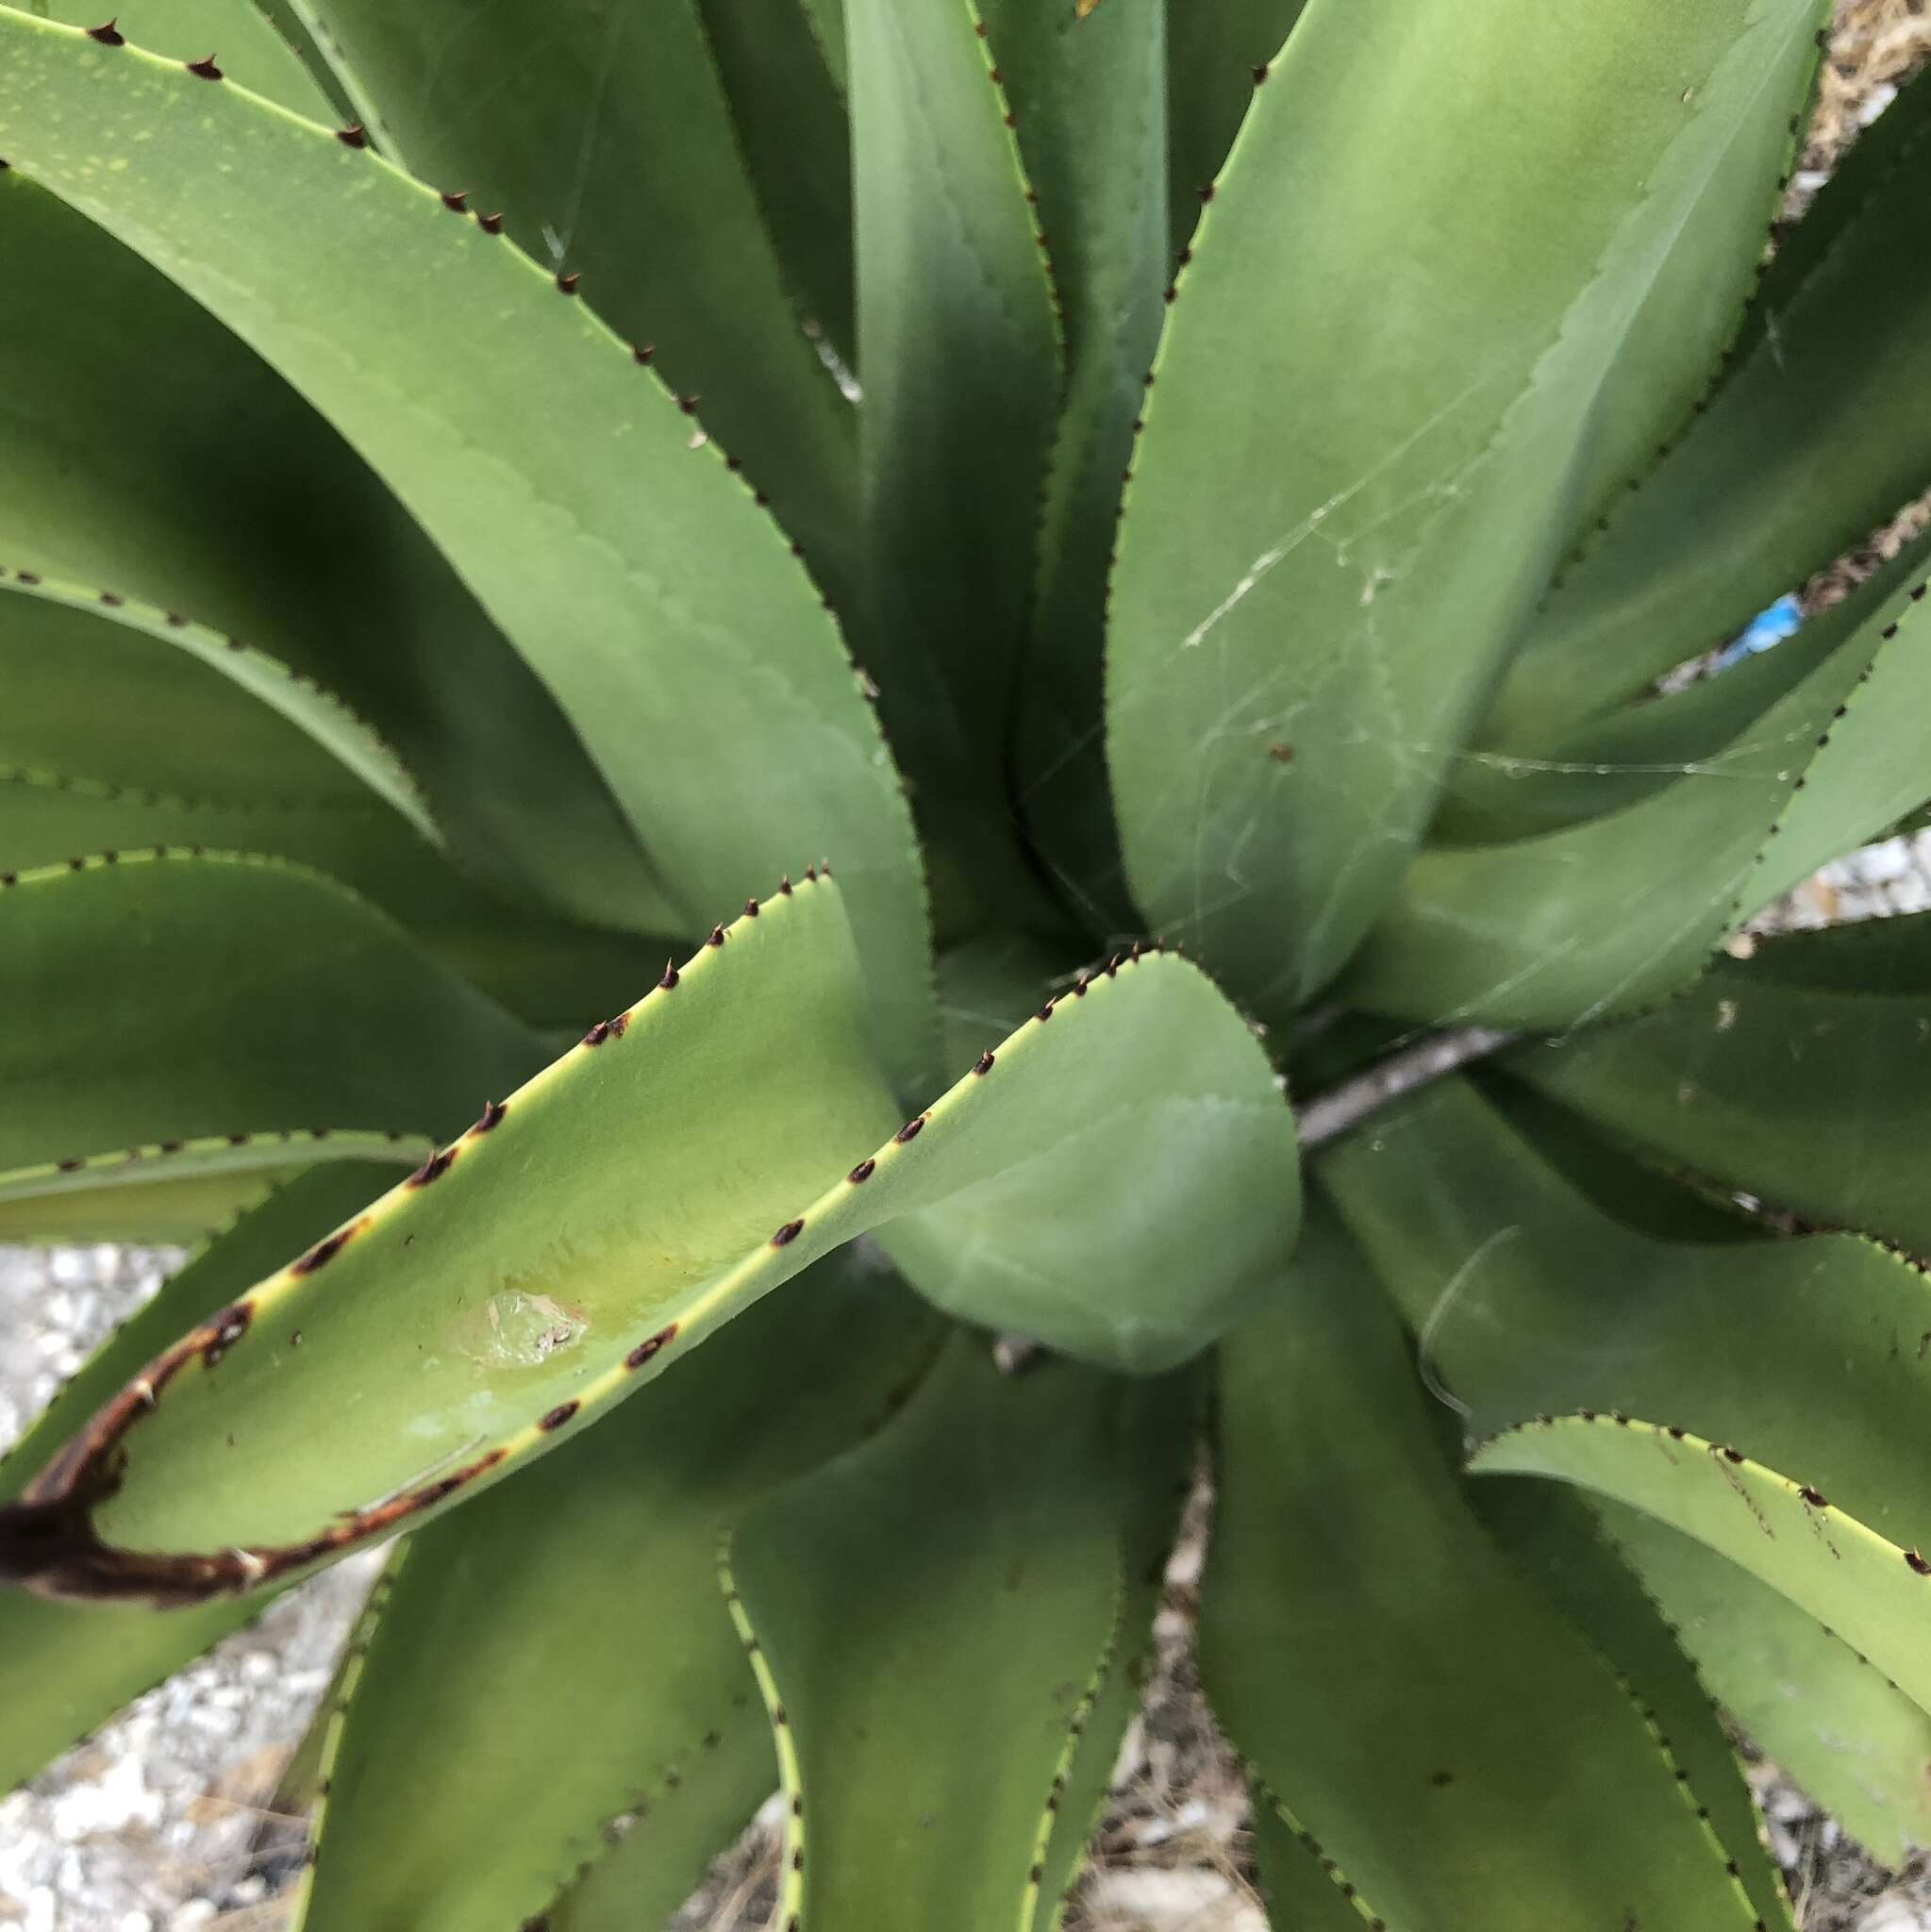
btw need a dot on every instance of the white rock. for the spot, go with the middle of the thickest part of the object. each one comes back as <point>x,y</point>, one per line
<point>1896,1915</point>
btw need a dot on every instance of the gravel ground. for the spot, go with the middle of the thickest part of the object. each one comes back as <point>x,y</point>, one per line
<point>157,1823</point>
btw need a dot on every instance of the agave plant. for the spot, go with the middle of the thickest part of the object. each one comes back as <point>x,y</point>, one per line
<point>501,497</point>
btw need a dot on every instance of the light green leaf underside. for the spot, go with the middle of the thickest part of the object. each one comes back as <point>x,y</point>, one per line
<point>316,1010</point>
<point>66,1668</point>
<point>193,710</point>
<point>605,137</point>
<point>1554,1538</point>
<point>1213,47</point>
<point>1376,1661</point>
<point>1827,1562</point>
<point>1850,1738</point>
<point>581,1602</point>
<point>183,1192</point>
<point>1087,91</point>
<point>577,492</point>
<point>1601,918</point>
<point>960,358</point>
<point>1809,442</point>
<point>466,1324</point>
<point>1531,1300</point>
<point>789,114</point>
<point>1318,576</point>
<point>930,1609</point>
<point>228,499</point>
<point>1798,1074</point>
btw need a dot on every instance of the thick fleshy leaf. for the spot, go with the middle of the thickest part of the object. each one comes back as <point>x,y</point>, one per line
<point>195,712</point>
<point>432,1822</point>
<point>580,492</point>
<point>960,358</point>
<point>933,1615</point>
<point>465,1324</point>
<point>1602,918</point>
<point>1875,1593</point>
<point>1553,1536</point>
<point>317,1011</point>
<point>1798,1074</point>
<point>1086,89</point>
<point>227,498</point>
<point>1411,1700</point>
<point>606,139</point>
<point>66,1668</point>
<point>789,112</point>
<point>1320,578</point>
<point>1848,1736</point>
<point>1803,449</point>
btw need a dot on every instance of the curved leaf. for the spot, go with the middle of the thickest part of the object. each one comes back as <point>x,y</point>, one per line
<point>243,32</point>
<point>1848,1736</point>
<point>66,1668</point>
<point>933,1611</point>
<point>465,1324</point>
<point>581,491</point>
<point>1870,1591</point>
<point>319,1010</point>
<point>605,137</point>
<point>1409,1698</point>
<point>1797,1074</point>
<point>584,1597</point>
<point>1320,578</point>
<point>221,479</point>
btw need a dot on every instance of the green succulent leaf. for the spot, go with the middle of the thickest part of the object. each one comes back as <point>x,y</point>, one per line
<point>1794,1073</point>
<point>229,500</point>
<point>1283,698</point>
<point>1842,1729</point>
<point>789,113</point>
<point>432,1821</point>
<point>1408,1696</point>
<point>583,494</point>
<point>960,354</point>
<point>1604,917</point>
<point>606,139</point>
<point>1869,1589</point>
<point>1555,1540</point>
<point>66,1668</point>
<point>1087,89</point>
<point>466,1323</point>
<point>933,1615</point>
<point>319,1010</point>
<point>1802,449</point>
<point>192,710</point>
